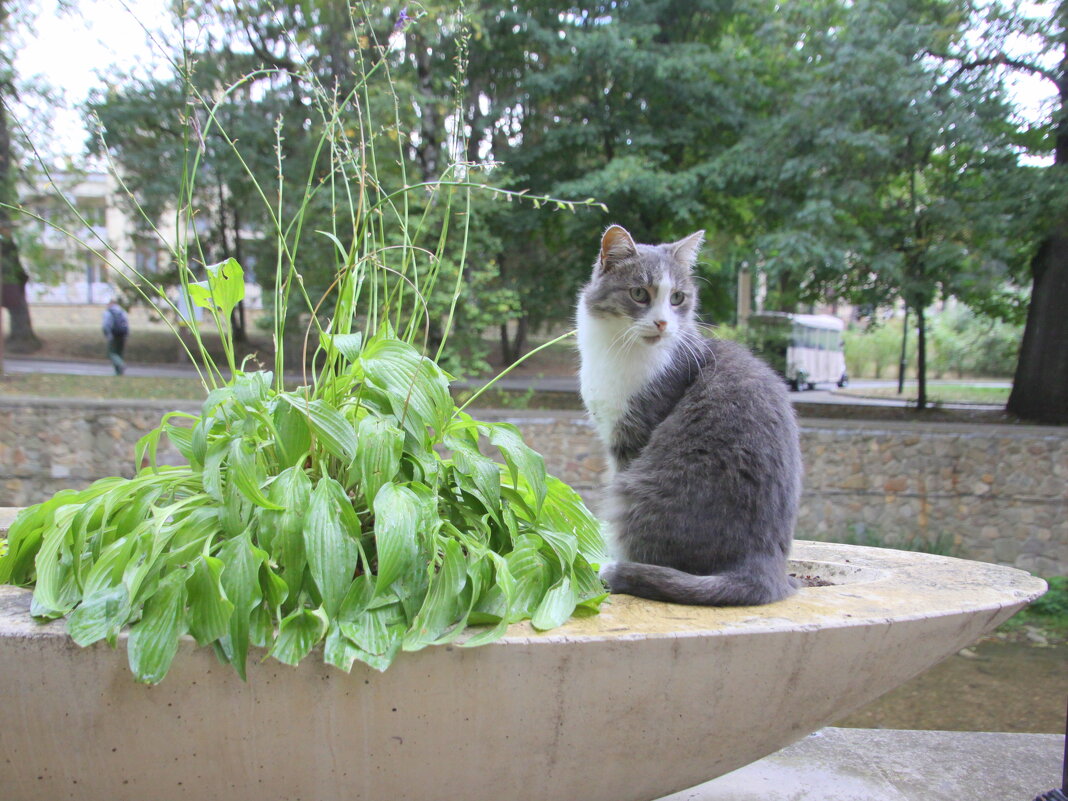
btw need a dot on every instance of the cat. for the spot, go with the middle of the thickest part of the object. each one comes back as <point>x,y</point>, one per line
<point>701,436</point>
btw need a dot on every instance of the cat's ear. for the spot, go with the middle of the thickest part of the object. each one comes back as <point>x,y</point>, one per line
<point>686,250</point>
<point>616,245</point>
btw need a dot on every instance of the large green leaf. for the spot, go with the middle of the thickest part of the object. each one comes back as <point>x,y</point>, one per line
<point>348,345</point>
<point>495,603</point>
<point>397,515</point>
<point>248,474</point>
<point>252,389</point>
<point>209,608</point>
<point>379,456</point>
<point>341,652</point>
<point>532,575</point>
<point>57,589</point>
<point>240,581</point>
<point>283,532</point>
<point>522,460</point>
<point>565,512</point>
<point>374,630</point>
<point>484,473</point>
<point>24,541</point>
<point>329,425</point>
<point>99,615</point>
<point>417,388</point>
<point>294,435</point>
<point>556,607</point>
<point>298,634</point>
<point>332,554</point>
<point>153,640</point>
<point>442,606</point>
<point>223,290</point>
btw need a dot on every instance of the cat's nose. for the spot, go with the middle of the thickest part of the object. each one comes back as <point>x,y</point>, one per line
<point>660,324</point>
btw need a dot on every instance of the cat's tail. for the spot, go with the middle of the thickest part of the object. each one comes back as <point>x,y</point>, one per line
<point>732,588</point>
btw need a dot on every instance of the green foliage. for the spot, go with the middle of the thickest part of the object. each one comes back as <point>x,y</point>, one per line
<point>874,352</point>
<point>262,115</point>
<point>1055,601</point>
<point>840,147</point>
<point>361,511</point>
<point>961,343</point>
<point>372,525</point>
<point>770,340</point>
<point>965,343</point>
<point>881,171</point>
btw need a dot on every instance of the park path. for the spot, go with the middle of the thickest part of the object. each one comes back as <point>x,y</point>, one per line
<point>521,383</point>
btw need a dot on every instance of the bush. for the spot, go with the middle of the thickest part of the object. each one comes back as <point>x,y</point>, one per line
<point>966,343</point>
<point>1055,601</point>
<point>872,352</point>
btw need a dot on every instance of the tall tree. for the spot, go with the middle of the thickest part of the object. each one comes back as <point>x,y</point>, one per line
<point>1016,37</point>
<point>13,277</point>
<point>626,102</point>
<point>280,109</point>
<point>1040,387</point>
<point>887,174</point>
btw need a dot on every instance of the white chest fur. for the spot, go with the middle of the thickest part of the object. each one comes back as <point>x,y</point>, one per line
<point>613,367</point>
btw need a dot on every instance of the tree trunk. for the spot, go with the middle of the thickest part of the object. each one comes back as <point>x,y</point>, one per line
<point>237,317</point>
<point>22,338</point>
<point>512,350</point>
<point>903,362</point>
<point>921,358</point>
<point>1040,388</point>
<point>12,277</point>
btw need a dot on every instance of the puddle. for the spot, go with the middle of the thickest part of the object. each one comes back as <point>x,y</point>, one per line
<point>1005,686</point>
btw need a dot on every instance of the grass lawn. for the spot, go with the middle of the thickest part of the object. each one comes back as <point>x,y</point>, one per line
<point>936,393</point>
<point>102,387</point>
<point>109,387</point>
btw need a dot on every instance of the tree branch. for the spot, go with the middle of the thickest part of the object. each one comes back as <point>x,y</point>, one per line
<point>997,60</point>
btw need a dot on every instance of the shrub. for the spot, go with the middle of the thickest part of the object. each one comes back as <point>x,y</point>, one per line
<point>1055,601</point>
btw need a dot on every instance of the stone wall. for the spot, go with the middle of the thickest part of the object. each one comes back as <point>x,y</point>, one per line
<point>995,493</point>
<point>47,445</point>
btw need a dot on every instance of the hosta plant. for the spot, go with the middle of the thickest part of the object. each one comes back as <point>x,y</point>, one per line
<point>364,513</point>
<point>361,512</point>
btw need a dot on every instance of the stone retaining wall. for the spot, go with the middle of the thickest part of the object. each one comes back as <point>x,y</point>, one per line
<point>994,493</point>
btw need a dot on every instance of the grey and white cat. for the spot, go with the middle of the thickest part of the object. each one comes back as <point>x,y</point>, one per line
<point>701,436</point>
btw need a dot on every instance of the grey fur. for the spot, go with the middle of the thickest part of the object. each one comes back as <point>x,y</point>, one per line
<point>707,462</point>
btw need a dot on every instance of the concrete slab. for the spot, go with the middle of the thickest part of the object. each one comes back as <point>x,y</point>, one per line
<point>694,692</point>
<point>887,765</point>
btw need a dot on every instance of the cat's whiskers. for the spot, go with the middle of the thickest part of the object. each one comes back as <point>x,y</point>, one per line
<point>689,348</point>
<point>624,340</point>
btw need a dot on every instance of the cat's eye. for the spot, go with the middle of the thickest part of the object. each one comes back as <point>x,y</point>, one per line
<point>677,298</point>
<point>639,294</point>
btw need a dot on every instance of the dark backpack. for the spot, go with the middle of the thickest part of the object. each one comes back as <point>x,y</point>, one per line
<point>120,325</point>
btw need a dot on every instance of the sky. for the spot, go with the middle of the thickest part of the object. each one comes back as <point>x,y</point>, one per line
<point>72,50</point>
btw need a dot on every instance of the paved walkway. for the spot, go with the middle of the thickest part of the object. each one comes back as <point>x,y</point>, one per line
<point>892,765</point>
<point>73,367</point>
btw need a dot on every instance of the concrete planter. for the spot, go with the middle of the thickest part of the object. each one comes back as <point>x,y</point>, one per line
<point>640,701</point>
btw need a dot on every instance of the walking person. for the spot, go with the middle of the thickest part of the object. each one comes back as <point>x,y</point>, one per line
<point>116,326</point>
